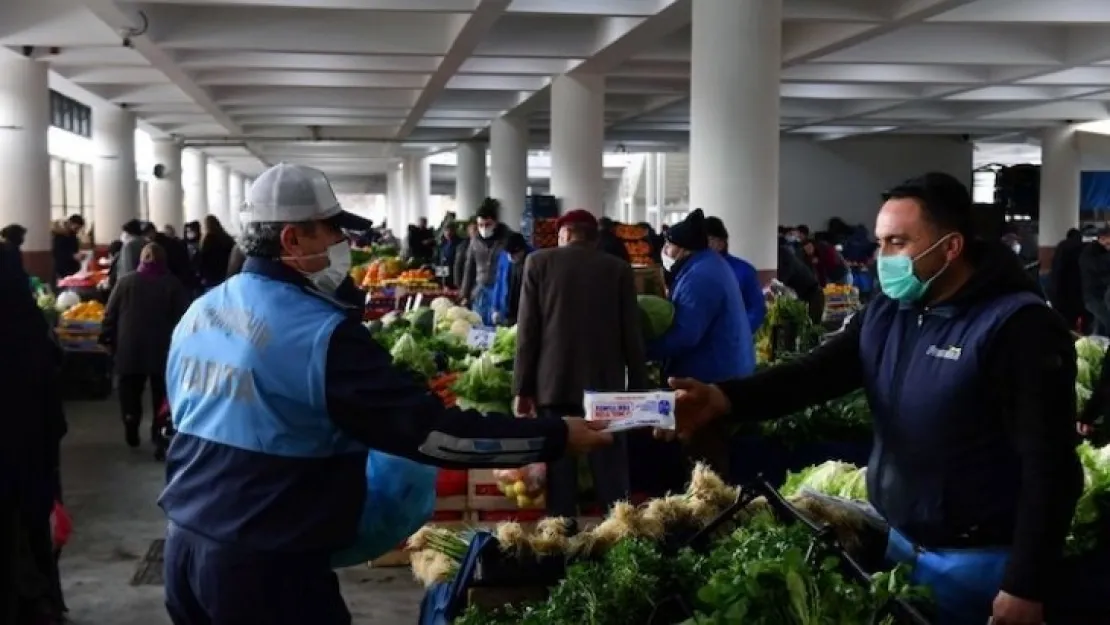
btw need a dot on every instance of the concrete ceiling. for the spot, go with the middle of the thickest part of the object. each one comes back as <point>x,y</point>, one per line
<point>346,85</point>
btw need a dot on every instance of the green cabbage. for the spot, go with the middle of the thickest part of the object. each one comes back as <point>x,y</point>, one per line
<point>656,315</point>
<point>484,382</point>
<point>408,353</point>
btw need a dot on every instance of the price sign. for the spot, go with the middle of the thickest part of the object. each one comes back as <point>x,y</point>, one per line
<point>480,338</point>
<point>443,271</point>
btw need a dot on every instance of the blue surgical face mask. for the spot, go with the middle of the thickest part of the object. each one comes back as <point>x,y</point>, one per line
<point>897,279</point>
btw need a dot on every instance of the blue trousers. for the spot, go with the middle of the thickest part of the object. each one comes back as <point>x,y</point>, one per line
<point>209,583</point>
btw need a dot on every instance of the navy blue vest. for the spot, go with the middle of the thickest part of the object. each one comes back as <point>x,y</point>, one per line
<point>942,466</point>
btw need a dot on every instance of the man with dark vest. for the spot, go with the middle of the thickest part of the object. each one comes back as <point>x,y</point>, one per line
<point>970,379</point>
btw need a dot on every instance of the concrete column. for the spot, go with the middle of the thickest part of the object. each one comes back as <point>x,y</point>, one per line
<point>115,181</point>
<point>418,188</point>
<point>734,122</point>
<point>219,193</point>
<point>194,178</point>
<point>578,142</point>
<point>508,176</point>
<point>1060,169</point>
<point>166,201</point>
<point>235,189</point>
<point>470,178</point>
<point>25,159</point>
<point>395,195</point>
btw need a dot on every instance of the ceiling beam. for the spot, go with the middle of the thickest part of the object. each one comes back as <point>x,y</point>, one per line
<point>474,27</point>
<point>1084,46</point>
<point>110,13</point>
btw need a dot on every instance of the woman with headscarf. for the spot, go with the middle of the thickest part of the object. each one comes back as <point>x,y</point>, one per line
<point>138,323</point>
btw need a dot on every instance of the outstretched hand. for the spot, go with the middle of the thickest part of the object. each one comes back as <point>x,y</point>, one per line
<point>584,436</point>
<point>696,404</point>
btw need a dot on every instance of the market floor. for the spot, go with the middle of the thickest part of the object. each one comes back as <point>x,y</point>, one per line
<point>110,491</point>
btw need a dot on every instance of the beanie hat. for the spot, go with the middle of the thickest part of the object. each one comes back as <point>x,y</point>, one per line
<point>489,209</point>
<point>715,228</point>
<point>689,234</point>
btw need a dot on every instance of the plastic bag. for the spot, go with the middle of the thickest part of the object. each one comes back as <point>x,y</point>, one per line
<point>526,486</point>
<point>61,526</point>
<point>400,498</point>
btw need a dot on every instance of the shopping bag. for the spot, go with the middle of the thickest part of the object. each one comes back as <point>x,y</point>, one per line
<point>61,526</point>
<point>400,498</point>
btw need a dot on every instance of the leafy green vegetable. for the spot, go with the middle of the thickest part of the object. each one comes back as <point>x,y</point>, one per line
<point>407,353</point>
<point>504,343</point>
<point>484,382</point>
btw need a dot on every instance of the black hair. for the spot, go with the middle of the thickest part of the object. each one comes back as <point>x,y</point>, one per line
<point>804,229</point>
<point>149,228</point>
<point>76,220</point>
<point>1073,233</point>
<point>133,227</point>
<point>515,242</point>
<point>944,200</point>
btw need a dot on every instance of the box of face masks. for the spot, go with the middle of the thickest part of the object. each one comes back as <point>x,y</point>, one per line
<point>631,410</point>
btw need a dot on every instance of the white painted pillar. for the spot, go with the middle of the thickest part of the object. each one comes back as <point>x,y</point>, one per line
<point>508,180</point>
<point>166,200</point>
<point>219,193</point>
<point>734,122</point>
<point>235,188</point>
<point>24,157</point>
<point>194,177</point>
<point>115,181</point>
<point>395,194</point>
<point>470,178</point>
<point>1060,169</point>
<point>418,188</point>
<point>578,142</point>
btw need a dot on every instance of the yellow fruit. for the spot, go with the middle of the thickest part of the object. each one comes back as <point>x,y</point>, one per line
<point>523,501</point>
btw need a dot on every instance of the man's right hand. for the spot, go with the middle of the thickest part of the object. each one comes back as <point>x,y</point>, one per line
<point>524,406</point>
<point>696,404</point>
<point>584,436</point>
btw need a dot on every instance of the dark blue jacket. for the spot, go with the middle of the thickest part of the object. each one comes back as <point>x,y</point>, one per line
<point>973,403</point>
<point>750,290</point>
<point>269,502</point>
<point>710,339</point>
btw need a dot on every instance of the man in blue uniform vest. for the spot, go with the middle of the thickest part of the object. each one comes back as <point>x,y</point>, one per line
<point>970,379</point>
<point>277,393</point>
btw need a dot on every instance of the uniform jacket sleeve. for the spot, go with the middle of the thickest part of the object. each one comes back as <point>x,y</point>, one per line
<point>390,410</point>
<point>694,298</point>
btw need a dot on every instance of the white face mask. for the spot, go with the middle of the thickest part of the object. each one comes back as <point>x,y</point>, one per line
<point>668,262</point>
<point>1016,247</point>
<point>485,233</point>
<point>339,265</point>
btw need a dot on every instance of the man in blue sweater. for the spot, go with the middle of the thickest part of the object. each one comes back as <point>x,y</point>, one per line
<point>750,289</point>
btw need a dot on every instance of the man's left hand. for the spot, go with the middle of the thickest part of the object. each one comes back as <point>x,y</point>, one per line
<point>1011,610</point>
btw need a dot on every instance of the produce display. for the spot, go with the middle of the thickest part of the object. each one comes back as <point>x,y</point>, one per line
<point>787,329</point>
<point>636,243</point>
<point>545,233</point>
<point>757,568</point>
<point>841,479</point>
<point>840,301</point>
<point>88,311</point>
<point>525,486</point>
<point>1089,352</point>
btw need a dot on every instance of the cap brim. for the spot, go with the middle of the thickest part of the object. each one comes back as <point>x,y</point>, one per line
<point>349,221</point>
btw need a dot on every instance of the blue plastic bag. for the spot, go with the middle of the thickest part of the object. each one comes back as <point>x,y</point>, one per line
<point>400,498</point>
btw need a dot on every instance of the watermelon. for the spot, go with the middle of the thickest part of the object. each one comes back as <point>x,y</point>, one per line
<point>656,315</point>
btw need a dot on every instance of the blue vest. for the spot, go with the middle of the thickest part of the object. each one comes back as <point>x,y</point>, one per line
<point>942,465</point>
<point>256,459</point>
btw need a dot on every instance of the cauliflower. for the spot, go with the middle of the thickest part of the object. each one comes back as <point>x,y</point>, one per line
<point>456,312</point>
<point>441,303</point>
<point>460,328</point>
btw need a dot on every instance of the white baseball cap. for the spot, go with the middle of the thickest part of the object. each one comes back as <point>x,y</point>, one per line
<point>295,193</point>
